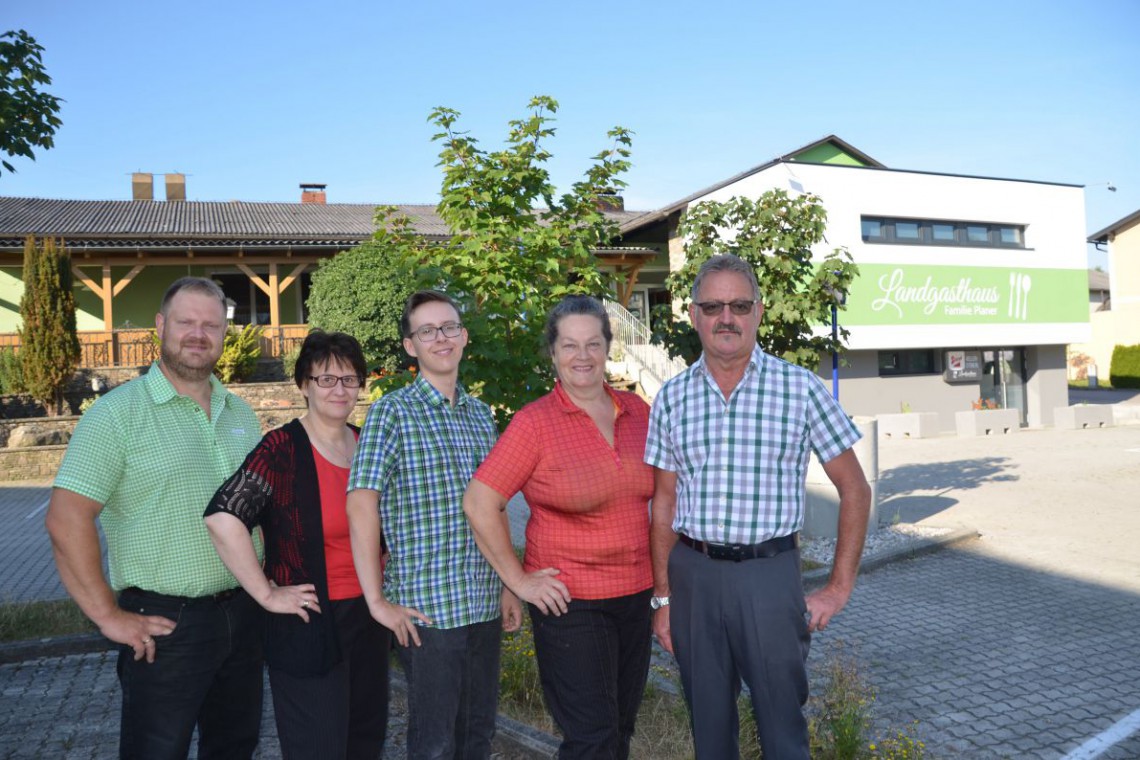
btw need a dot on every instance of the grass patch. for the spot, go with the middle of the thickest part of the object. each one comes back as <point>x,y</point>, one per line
<point>1101,383</point>
<point>37,620</point>
<point>839,711</point>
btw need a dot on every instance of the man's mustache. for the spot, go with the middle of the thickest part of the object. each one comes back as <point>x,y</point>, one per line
<point>721,328</point>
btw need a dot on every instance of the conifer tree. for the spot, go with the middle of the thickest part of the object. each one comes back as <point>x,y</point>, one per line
<point>49,346</point>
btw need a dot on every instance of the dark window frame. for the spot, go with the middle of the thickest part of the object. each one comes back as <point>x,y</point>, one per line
<point>888,233</point>
<point>904,364</point>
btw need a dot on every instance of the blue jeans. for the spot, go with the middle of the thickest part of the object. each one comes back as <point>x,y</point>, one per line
<point>593,661</point>
<point>453,691</point>
<point>208,673</point>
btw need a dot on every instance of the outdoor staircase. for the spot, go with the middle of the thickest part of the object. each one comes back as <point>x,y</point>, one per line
<point>634,356</point>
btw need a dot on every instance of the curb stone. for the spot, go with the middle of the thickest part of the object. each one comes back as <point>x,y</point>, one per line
<point>815,578</point>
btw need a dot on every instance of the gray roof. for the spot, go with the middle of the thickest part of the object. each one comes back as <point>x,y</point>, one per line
<point>221,222</point>
<point>1098,280</point>
<point>1120,225</point>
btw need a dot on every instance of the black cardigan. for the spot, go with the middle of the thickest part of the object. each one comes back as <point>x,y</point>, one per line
<point>276,487</point>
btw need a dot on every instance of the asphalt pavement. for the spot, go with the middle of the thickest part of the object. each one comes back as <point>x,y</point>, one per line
<point>1019,644</point>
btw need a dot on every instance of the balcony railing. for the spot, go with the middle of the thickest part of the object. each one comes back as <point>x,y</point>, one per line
<point>632,344</point>
<point>138,347</point>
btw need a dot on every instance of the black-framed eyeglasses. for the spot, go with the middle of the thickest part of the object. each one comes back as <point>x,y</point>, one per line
<point>739,307</point>
<point>430,333</point>
<point>329,381</point>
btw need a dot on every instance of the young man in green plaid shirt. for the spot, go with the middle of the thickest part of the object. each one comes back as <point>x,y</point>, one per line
<point>145,460</point>
<point>418,448</point>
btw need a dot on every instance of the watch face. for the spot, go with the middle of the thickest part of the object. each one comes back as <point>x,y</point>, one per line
<point>658,602</point>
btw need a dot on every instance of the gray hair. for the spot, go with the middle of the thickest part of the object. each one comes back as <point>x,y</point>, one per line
<point>726,262</point>
<point>201,285</point>
<point>572,305</point>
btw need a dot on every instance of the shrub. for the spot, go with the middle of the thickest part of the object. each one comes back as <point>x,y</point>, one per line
<point>49,345</point>
<point>11,372</point>
<point>240,353</point>
<point>1125,367</point>
<point>289,360</point>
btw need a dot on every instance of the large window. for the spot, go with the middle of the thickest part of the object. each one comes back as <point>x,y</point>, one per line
<point>888,230</point>
<point>912,362</point>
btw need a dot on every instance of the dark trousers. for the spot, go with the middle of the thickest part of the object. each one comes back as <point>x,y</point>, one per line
<point>342,713</point>
<point>593,662</point>
<point>453,691</point>
<point>208,673</point>
<point>741,620</point>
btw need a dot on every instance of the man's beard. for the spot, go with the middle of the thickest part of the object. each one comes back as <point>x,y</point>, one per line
<point>190,373</point>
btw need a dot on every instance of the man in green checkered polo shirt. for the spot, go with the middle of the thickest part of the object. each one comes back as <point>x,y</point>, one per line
<point>144,461</point>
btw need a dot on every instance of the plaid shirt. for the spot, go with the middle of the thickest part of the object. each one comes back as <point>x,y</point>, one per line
<point>419,452</point>
<point>153,460</point>
<point>741,464</point>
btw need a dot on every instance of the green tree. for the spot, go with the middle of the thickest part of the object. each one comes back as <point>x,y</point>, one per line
<point>775,233</point>
<point>361,291</point>
<point>49,346</point>
<point>28,115</point>
<point>517,247</point>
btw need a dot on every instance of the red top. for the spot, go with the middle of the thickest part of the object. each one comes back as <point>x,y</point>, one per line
<point>589,501</point>
<point>339,569</point>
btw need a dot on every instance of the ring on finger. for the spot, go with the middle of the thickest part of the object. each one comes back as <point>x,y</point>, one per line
<point>304,605</point>
<point>146,640</point>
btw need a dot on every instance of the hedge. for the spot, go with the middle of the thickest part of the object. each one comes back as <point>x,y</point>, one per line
<point>1125,367</point>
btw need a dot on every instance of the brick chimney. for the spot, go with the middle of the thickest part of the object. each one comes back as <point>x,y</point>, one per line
<point>610,202</point>
<point>142,186</point>
<point>313,193</point>
<point>175,187</point>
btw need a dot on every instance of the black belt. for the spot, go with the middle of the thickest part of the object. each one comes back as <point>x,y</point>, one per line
<point>221,596</point>
<point>740,552</point>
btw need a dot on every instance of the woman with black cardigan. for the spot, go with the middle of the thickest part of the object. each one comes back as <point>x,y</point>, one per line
<point>327,657</point>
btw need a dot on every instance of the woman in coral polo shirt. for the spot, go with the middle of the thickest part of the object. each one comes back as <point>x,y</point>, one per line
<point>327,657</point>
<point>577,456</point>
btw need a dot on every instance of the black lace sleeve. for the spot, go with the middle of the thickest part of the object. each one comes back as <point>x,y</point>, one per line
<point>248,491</point>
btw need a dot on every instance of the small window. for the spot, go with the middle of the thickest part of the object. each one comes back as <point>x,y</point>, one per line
<point>912,362</point>
<point>942,233</point>
<point>906,230</point>
<point>976,233</point>
<point>872,229</point>
<point>1010,235</point>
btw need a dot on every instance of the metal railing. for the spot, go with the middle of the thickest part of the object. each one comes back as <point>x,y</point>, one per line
<point>632,344</point>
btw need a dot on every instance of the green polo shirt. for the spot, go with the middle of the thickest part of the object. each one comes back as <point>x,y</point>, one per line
<point>153,460</point>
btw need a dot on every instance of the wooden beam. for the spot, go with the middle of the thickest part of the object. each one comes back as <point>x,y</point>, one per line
<point>252,275</point>
<point>91,285</point>
<point>292,276</point>
<point>127,279</point>
<point>274,297</point>
<point>108,297</point>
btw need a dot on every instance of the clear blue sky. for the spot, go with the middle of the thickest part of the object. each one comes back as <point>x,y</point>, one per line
<point>250,99</point>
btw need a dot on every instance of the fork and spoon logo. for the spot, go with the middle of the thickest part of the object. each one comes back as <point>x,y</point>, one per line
<point>1019,286</point>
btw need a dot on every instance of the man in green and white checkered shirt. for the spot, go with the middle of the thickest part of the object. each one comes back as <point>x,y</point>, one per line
<point>730,439</point>
<point>418,449</point>
<point>145,460</point>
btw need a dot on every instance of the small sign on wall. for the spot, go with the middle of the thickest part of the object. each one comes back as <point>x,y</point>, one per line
<point>962,367</point>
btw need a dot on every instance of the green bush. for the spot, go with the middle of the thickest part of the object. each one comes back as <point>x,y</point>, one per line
<point>289,360</point>
<point>1125,367</point>
<point>240,353</point>
<point>11,372</point>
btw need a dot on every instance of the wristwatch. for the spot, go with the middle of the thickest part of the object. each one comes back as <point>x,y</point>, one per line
<point>657,602</point>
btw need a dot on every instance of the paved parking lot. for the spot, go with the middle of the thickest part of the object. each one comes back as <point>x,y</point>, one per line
<point>1020,644</point>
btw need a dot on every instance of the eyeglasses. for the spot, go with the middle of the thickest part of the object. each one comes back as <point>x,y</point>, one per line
<point>429,333</point>
<point>330,381</point>
<point>714,308</point>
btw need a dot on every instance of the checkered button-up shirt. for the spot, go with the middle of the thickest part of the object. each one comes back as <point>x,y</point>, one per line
<point>418,451</point>
<point>741,463</point>
<point>153,459</point>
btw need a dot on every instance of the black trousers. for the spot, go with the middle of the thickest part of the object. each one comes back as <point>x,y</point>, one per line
<point>741,620</point>
<point>342,714</point>
<point>593,661</point>
<point>207,673</point>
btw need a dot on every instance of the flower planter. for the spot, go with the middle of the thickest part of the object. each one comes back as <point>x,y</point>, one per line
<point>987,422</point>
<point>908,425</point>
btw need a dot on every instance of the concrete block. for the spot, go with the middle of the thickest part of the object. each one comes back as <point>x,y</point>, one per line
<point>987,422</point>
<point>1082,416</point>
<point>821,507</point>
<point>908,425</point>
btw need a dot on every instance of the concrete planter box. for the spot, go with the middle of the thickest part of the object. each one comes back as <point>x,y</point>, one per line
<point>987,422</point>
<point>908,425</point>
<point>1081,417</point>
<point>821,509</point>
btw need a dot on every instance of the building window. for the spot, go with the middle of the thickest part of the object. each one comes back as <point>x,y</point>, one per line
<point>911,362</point>
<point>941,232</point>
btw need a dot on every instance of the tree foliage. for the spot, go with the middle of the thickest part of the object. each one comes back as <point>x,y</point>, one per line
<point>28,115</point>
<point>775,233</point>
<point>517,246</point>
<point>240,352</point>
<point>49,345</point>
<point>362,291</point>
